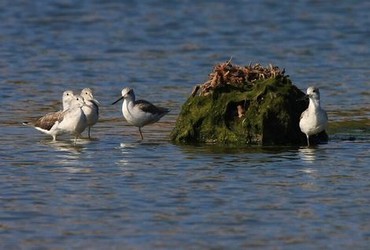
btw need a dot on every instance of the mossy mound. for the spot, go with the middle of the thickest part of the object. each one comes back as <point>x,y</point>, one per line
<point>262,111</point>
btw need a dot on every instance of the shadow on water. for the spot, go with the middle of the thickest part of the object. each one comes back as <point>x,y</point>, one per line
<point>234,149</point>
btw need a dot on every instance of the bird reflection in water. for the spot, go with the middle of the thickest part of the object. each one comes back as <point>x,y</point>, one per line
<point>308,154</point>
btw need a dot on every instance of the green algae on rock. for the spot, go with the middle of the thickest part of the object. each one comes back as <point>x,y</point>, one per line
<point>233,107</point>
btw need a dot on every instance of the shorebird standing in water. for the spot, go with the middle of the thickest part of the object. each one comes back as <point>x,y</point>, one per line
<point>314,119</point>
<point>90,109</point>
<point>139,113</point>
<point>72,120</point>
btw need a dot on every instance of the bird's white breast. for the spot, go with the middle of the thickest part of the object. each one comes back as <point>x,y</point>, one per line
<point>74,121</point>
<point>313,121</point>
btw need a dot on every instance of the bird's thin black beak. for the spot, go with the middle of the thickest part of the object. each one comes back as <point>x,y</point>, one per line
<point>118,100</point>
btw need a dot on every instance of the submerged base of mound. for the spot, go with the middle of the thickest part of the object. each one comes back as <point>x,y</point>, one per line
<point>266,112</point>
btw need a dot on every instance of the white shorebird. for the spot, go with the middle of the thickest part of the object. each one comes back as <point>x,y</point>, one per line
<point>314,119</point>
<point>139,113</point>
<point>71,120</point>
<point>66,99</point>
<point>90,109</point>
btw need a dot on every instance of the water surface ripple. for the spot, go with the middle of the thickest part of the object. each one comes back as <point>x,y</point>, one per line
<point>116,192</point>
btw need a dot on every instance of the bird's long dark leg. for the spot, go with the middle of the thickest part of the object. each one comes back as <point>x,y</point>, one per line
<point>308,140</point>
<point>77,136</point>
<point>141,134</point>
<point>88,132</point>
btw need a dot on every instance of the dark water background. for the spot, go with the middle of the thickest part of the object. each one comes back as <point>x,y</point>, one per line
<point>115,192</point>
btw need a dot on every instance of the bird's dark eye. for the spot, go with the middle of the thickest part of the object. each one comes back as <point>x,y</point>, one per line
<point>314,90</point>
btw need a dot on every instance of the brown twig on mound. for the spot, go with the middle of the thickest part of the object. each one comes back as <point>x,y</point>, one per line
<point>228,74</point>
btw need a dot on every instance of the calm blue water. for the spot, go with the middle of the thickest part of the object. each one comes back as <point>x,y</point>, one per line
<point>116,192</point>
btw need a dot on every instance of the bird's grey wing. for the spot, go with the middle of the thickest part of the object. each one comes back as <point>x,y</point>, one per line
<point>149,107</point>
